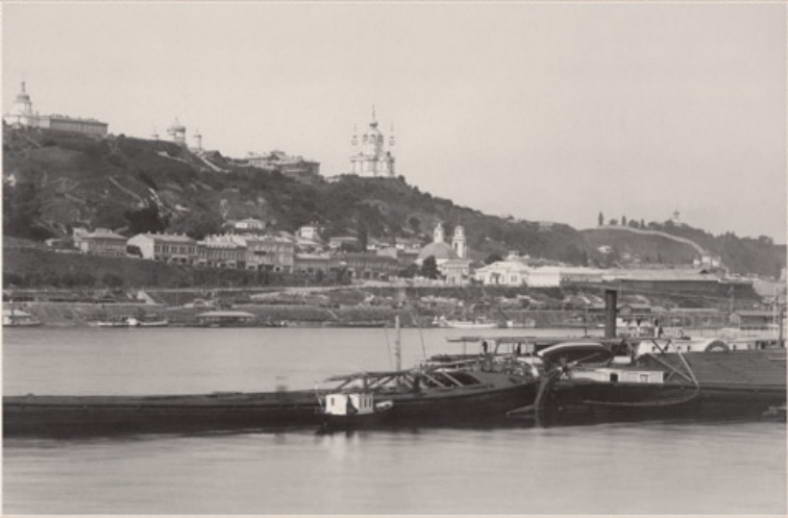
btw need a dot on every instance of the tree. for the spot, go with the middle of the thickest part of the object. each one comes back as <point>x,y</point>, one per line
<point>623,221</point>
<point>601,219</point>
<point>409,272</point>
<point>415,224</point>
<point>429,268</point>
<point>613,222</point>
<point>492,258</point>
<point>21,209</point>
<point>198,225</point>
<point>642,223</point>
<point>146,219</point>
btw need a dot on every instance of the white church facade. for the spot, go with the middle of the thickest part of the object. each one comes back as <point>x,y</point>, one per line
<point>371,156</point>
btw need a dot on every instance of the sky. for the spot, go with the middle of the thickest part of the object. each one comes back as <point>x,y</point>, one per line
<point>540,111</point>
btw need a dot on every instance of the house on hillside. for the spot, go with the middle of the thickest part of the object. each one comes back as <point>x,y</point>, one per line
<point>292,166</point>
<point>101,241</point>
<point>246,225</point>
<point>168,248</point>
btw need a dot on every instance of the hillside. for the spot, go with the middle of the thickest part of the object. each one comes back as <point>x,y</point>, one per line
<point>55,181</point>
<point>667,243</point>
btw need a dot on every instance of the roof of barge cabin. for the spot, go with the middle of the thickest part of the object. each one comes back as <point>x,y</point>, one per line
<point>368,374</point>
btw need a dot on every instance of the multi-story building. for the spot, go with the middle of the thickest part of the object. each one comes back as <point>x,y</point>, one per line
<point>22,115</point>
<point>220,252</point>
<point>168,248</point>
<point>100,242</point>
<point>267,252</point>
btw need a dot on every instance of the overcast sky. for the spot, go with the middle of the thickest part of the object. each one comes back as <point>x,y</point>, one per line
<point>545,112</point>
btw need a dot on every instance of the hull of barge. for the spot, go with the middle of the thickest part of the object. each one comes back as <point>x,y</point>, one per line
<point>89,415</point>
<point>731,385</point>
<point>107,415</point>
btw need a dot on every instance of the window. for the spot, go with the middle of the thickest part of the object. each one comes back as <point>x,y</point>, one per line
<point>463,378</point>
<point>442,378</point>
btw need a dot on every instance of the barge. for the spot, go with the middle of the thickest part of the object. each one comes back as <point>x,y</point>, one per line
<point>417,396</point>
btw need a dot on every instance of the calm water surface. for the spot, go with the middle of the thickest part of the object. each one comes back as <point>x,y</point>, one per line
<point>655,467</point>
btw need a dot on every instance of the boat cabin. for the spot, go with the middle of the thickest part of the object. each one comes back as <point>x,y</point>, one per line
<point>350,404</point>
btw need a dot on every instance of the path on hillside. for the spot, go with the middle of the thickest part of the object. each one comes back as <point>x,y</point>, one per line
<point>210,164</point>
<point>701,251</point>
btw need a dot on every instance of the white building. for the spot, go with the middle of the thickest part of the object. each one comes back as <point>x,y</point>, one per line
<point>246,224</point>
<point>309,232</point>
<point>509,272</point>
<point>370,156</point>
<point>169,248</point>
<point>177,132</point>
<point>22,115</point>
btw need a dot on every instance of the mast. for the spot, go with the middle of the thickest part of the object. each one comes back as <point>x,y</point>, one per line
<point>397,345</point>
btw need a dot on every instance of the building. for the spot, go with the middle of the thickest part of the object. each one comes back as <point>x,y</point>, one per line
<point>168,248</point>
<point>458,243</point>
<point>220,252</point>
<point>267,252</point>
<point>369,266</point>
<point>451,259</point>
<point>339,242</point>
<point>754,320</point>
<point>316,265</point>
<point>681,280</point>
<point>408,244</point>
<point>509,272</point>
<point>22,115</point>
<point>441,250</point>
<point>370,156</point>
<point>100,242</point>
<point>311,232</point>
<point>291,166</point>
<point>177,132</point>
<point>246,225</point>
<point>456,272</point>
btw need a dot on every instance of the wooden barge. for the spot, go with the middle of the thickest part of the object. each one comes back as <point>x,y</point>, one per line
<point>417,396</point>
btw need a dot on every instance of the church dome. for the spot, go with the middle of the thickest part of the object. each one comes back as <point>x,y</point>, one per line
<point>438,250</point>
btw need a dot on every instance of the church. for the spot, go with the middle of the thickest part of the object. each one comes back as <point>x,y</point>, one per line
<point>370,155</point>
<point>23,116</point>
<point>451,259</point>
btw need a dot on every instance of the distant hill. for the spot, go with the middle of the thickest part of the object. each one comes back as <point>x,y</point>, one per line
<point>668,243</point>
<point>55,181</point>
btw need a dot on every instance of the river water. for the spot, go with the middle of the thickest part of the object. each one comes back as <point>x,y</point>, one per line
<point>653,467</point>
